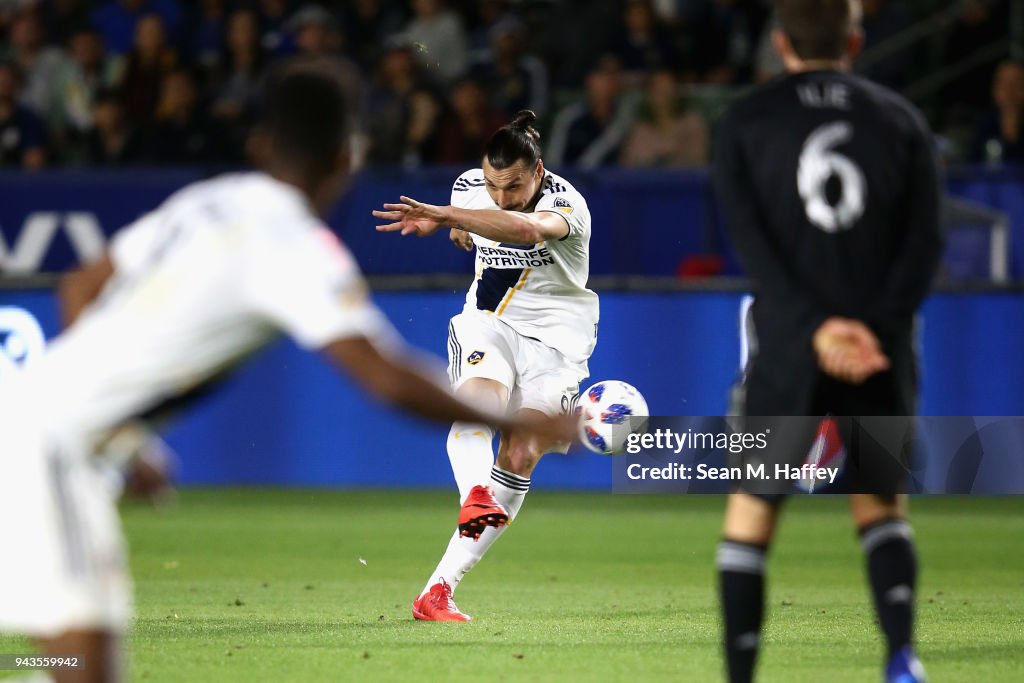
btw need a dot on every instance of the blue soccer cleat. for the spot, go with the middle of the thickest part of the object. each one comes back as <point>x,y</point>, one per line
<point>905,667</point>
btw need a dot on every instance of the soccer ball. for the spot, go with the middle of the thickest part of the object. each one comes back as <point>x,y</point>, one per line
<point>610,411</point>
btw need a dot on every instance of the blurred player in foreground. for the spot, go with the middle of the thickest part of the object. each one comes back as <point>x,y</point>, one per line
<point>831,194</point>
<point>522,340</point>
<point>185,294</point>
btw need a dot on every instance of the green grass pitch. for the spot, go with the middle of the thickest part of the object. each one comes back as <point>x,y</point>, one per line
<point>271,585</point>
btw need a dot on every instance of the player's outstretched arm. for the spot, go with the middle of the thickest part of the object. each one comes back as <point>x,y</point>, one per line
<point>398,381</point>
<point>416,218</point>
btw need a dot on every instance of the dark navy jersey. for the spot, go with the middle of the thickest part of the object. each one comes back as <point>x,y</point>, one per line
<point>830,188</point>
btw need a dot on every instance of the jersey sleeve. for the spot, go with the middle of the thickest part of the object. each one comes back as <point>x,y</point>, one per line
<point>310,287</point>
<point>571,207</point>
<point>466,188</point>
<point>132,245</point>
<point>913,271</point>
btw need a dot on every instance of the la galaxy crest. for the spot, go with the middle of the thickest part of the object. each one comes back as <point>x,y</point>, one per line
<point>475,357</point>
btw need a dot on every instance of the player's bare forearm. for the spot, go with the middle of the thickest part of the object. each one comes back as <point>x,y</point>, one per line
<point>416,218</point>
<point>80,288</point>
<point>501,226</point>
<point>400,383</point>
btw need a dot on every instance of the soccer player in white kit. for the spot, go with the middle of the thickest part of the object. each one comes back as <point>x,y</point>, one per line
<point>522,340</point>
<point>184,294</point>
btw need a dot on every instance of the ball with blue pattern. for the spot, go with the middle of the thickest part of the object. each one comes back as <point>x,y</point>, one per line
<point>609,412</point>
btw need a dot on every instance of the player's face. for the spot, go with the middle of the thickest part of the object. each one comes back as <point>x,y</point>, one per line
<point>513,188</point>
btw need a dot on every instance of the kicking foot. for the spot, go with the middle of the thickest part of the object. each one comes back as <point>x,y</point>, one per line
<point>480,511</point>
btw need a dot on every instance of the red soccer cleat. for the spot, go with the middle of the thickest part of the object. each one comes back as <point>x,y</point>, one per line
<point>480,511</point>
<point>437,605</point>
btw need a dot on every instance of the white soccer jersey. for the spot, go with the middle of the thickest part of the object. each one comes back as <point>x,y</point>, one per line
<point>200,283</point>
<point>539,290</point>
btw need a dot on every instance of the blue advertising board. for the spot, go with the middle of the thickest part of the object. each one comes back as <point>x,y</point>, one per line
<point>287,419</point>
<point>645,222</point>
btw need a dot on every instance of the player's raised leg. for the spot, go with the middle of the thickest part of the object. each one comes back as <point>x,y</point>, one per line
<point>888,544</point>
<point>741,559</point>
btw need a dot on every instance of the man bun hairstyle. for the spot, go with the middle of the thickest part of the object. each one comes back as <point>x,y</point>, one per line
<point>516,141</point>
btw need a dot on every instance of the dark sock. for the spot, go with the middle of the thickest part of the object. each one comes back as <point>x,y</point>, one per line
<point>892,571</point>
<point>741,580</point>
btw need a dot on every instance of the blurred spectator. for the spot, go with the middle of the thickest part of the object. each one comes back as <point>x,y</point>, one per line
<point>488,14</point>
<point>438,34</point>
<point>63,18</point>
<point>469,124</point>
<point>274,16</point>
<point>724,37</point>
<point>645,43</point>
<point>367,25</point>
<point>588,134</point>
<point>22,137</point>
<point>315,32</point>
<point>422,131</point>
<point>150,59</point>
<point>767,62</point>
<point>999,138</point>
<point>204,35</point>
<point>37,62</point>
<point>87,70</point>
<point>668,11</point>
<point>882,20</point>
<point>666,133</point>
<point>536,17</point>
<point>515,80</point>
<point>576,31</point>
<point>117,19</point>
<point>396,79</point>
<point>236,87</point>
<point>183,133</point>
<point>111,142</point>
<point>979,27</point>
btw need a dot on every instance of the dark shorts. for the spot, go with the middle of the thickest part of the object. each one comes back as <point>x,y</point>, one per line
<point>874,419</point>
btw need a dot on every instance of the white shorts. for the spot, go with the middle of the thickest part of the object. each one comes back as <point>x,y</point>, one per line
<point>537,376</point>
<point>62,566</point>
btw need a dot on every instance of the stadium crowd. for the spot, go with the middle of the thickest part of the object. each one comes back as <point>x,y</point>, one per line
<point>616,82</point>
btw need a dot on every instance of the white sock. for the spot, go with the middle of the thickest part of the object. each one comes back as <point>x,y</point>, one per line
<point>510,489</point>
<point>463,553</point>
<point>471,451</point>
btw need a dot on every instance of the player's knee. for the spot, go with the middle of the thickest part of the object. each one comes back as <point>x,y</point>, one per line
<point>464,430</point>
<point>751,519</point>
<point>868,509</point>
<point>486,394</point>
